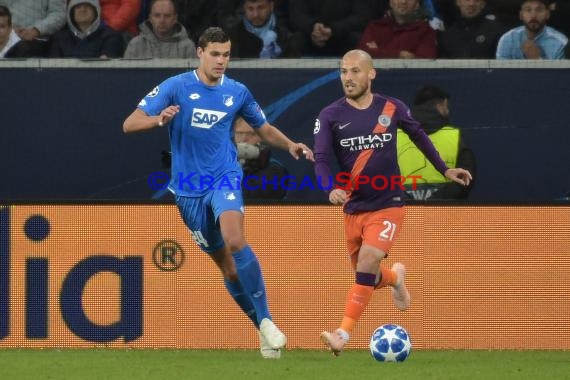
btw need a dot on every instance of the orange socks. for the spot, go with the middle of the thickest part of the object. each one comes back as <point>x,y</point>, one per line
<point>359,296</point>
<point>356,302</point>
<point>389,277</point>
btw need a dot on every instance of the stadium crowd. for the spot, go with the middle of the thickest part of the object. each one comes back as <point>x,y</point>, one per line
<point>472,29</point>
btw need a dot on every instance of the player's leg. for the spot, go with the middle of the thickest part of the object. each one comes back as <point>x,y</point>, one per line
<point>247,267</point>
<point>228,209</point>
<point>250,275</point>
<point>225,263</point>
<point>359,295</point>
<point>369,237</point>
<point>381,232</point>
<point>360,292</point>
<point>200,220</point>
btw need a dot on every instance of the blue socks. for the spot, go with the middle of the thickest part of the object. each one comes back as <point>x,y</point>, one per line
<point>244,302</point>
<point>252,285</point>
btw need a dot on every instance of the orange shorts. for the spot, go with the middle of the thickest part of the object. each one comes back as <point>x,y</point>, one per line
<point>375,228</point>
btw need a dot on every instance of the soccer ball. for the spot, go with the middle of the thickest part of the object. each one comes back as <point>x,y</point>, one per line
<point>390,343</point>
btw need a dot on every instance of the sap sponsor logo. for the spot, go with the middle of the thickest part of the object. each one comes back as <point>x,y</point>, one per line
<point>206,119</point>
<point>359,143</point>
<point>154,92</point>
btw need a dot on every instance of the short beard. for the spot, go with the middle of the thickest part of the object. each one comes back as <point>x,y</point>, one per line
<point>533,28</point>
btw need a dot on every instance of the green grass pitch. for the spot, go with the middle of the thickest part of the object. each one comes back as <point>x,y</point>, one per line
<point>108,364</point>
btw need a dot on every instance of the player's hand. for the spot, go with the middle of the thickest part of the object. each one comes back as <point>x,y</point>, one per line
<point>338,197</point>
<point>168,114</point>
<point>298,149</point>
<point>461,176</point>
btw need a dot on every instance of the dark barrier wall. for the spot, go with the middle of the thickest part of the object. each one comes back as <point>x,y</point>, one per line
<point>61,129</point>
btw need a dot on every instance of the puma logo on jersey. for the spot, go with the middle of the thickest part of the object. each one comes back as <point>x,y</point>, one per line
<point>206,118</point>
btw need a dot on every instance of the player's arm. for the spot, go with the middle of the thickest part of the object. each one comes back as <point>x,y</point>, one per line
<point>422,141</point>
<point>277,139</point>
<point>140,121</point>
<point>323,155</point>
<point>409,125</point>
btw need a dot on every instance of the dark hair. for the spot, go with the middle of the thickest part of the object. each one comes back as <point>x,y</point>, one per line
<point>5,12</point>
<point>430,93</point>
<point>211,35</point>
<point>173,2</point>
<point>545,2</point>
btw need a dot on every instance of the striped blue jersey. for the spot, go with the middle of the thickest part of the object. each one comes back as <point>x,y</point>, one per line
<point>201,133</point>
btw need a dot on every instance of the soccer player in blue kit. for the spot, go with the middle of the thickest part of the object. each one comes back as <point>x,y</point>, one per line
<point>359,130</point>
<point>199,108</point>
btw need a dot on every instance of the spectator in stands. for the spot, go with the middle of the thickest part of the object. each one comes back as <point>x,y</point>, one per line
<point>85,36</point>
<point>533,40</point>
<point>473,35</point>
<point>507,13</point>
<point>431,110</point>
<point>197,16</point>
<point>35,22</point>
<point>121,16</point>
<point>230,12</point>
<point>560,16</point>
<point>161,36</point>
<point>378,8</point>
<point>449,11</point>
<point>8,37</point>
<point>329,27</point>
<point>260,34</point>
<point>433,16</point>
<point>260,171</point>
<point>404,32</point>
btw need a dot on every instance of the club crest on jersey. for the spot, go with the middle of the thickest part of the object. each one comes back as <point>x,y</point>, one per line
<point>228,100</point>
<point>154,92</point>
<point>206,119</point>
<point>384,121</point>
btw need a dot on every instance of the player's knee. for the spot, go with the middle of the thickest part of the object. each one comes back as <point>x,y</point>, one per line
<point>369,258</point>
<point>234,243</point>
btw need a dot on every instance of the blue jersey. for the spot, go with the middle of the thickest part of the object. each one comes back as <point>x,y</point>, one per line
<point>201,141</point>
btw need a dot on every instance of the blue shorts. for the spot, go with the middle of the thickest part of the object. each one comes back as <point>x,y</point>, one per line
<point>200,214</point>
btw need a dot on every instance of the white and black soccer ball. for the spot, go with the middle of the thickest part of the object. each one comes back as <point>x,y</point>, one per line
<point>390,343</point>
